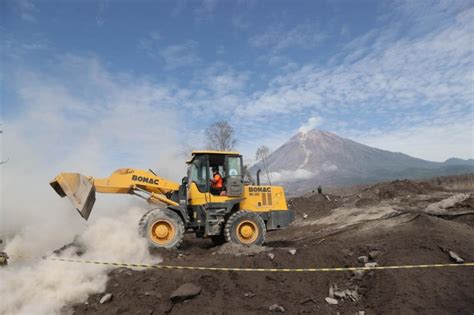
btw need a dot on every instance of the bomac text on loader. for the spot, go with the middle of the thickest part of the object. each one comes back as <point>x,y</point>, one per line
<point>241,213</point>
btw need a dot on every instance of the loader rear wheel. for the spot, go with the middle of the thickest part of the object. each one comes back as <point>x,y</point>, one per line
<point>162,228</point>
<point>246,228</point>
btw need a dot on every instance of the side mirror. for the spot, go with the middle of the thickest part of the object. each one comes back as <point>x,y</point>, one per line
<point>184,181</point>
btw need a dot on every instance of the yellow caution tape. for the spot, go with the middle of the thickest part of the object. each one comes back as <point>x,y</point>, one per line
<point>247,269</point>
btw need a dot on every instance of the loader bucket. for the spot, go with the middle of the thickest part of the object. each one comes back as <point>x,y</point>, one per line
<point>78,188</point>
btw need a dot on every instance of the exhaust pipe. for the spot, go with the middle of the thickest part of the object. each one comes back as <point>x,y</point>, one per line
<point>78,188</point>
<point>258,177</point>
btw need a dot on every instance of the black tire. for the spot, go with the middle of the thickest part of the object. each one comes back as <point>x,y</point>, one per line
<point>218,239</point>
<point>235,223</point>
<point>167,218</point>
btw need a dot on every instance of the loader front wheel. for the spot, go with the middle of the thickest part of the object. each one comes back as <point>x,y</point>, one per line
<point>246,228</point>
<point>162,228</point>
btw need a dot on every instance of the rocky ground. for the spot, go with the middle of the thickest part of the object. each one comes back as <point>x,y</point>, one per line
<point>397,223</point>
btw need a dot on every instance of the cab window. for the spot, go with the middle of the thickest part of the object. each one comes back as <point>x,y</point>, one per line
<point>234,166</point>
<point>198,173</point>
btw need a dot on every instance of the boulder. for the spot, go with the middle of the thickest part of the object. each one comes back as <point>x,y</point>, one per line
<point>331,301</point>
<point>340,294</point>
<point>184,292</point>
<point>331,291</point>
<point>358,274</point>
<point>363,259</point>
<point>456,257</point>
<point>292,251</point>
<point>374,254</point>
<point>106,298</point>
<point>276,308</point>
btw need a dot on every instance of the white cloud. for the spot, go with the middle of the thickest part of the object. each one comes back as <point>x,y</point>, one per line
<point>392,74</point>
<point>205,10</point>
<point>329,167</point>
<point>28,10</point>
<point>227,82</point>
<point>173,56</point>
<point>180,55</point>
<point>12,48</point>
<point>241,21</point>
<point>312,123</point>
<point>437,141</point>
<point>304,35</point>
<point>101,11</point>
<point>286,176</point>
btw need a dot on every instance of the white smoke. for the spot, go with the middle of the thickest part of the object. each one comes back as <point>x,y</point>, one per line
<point>77,117</point>
<point>45,287</point>
<point>285,176</point>
<point>310,124</point>
<point>329,167</point>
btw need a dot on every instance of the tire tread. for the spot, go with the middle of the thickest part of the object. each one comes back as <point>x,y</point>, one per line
<point>241,214</point>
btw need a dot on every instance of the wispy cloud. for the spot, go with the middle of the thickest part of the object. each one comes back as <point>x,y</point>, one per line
<point>437,141</point>
<point>28,10</point>
<point>173,56</point>
<point>176,56</point>
<point>205,9</point>
<point>241,22</point>
<point>433,70</point>
<point>15,49</point>
<point>101,11</point>
<point>278,37</point>
<point>385,84</point>
<point>151,43</point>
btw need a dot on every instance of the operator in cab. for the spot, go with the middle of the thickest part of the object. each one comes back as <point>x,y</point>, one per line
<point>217,184</point>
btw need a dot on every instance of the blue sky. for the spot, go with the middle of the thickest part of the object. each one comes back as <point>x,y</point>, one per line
<point>137,82</point>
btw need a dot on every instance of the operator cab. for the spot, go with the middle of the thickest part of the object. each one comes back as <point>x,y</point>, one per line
<point>228,165</point>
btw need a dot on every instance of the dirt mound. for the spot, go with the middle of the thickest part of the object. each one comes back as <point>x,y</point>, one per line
<point>399,188</point>
<point>463,182</point>
<point>314,205</point>
<point>467,204</point>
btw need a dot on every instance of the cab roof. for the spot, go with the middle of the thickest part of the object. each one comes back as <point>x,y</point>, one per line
<point>214,152</point>
<point>200,152</point>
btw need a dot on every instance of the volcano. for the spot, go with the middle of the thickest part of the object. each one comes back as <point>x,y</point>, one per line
<point>319,157</point>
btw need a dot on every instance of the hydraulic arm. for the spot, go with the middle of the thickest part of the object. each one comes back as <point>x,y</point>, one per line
<point>81,189</point>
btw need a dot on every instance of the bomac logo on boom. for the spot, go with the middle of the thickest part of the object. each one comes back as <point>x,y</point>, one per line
<point>144,179</point>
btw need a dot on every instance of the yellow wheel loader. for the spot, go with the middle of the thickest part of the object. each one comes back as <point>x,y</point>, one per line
<point>237,212</point>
